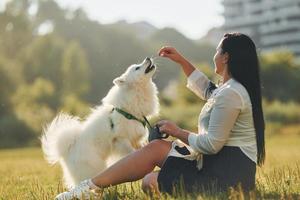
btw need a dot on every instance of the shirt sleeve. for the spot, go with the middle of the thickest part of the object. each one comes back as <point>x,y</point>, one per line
<point>198,83</point>
<point>225,111</point>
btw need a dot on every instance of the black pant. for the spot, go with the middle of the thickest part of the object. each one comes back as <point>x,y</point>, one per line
<point>229,167</point>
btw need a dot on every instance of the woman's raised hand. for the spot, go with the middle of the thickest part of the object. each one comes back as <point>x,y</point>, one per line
<point>171,53</point>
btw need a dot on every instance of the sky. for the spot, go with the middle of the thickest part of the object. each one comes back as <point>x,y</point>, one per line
<point>191,17</point>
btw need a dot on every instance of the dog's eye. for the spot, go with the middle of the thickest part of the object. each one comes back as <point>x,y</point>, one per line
<point>137,68</point>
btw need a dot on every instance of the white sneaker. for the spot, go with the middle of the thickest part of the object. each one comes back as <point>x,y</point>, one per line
<point>81,191</point>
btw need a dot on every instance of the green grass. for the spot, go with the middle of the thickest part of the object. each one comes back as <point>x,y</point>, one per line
<point>25,175</point>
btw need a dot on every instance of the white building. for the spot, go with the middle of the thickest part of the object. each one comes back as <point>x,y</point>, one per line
<point>272,24</point>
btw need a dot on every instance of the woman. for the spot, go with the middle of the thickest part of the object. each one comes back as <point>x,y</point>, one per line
<point>230,136</point>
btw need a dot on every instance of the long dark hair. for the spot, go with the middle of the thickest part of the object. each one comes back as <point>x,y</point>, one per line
<point>243,66</point>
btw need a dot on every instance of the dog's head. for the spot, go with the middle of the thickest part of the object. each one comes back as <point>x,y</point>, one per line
<point>135,91</point>
<point>137,73</point>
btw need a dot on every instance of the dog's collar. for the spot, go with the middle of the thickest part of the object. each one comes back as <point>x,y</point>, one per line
<point>130,116</point>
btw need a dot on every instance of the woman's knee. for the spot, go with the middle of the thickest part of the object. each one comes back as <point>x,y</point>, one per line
<point>160,145</point>
<point>149,182</point>
<point>159,149</point>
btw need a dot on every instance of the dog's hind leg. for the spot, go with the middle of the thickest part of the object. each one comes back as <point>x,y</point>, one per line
<point>122,146</point>
<point>85,170</point>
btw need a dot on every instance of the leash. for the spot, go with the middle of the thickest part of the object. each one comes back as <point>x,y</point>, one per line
<point>130,117</point>
<point>154,132</point>
<point>148,122</point>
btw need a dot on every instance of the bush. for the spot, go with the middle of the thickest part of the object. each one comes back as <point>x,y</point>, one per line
<point>186,116</point>
<point>280,112</point>
<point>14,133</point>
<point>280,75</point>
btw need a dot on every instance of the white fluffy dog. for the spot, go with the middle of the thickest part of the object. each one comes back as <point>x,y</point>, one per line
<point>83,147</point>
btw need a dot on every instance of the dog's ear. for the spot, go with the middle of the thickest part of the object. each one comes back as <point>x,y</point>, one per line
<point>119,81</point>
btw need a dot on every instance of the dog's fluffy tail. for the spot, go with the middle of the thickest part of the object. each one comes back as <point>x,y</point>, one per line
<point>59,136</point>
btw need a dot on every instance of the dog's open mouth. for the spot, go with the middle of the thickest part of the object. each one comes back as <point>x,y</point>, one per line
<point>149,68</point>
<point>150,64</point>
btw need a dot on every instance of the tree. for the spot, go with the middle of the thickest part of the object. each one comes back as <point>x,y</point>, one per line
<point>10,78</point>
<point>43,58</point>
<point>15,29</point>
<point>75,70</point>
<point>280,76</point>
<point>31,103</point>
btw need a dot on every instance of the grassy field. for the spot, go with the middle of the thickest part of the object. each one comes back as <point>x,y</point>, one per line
<point>25,175</point>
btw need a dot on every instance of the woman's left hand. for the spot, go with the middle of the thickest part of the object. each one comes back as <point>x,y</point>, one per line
<point>169,128</point>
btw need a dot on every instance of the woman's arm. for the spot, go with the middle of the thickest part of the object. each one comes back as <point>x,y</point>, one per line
<point>197,81</point>
<point>187,67</point>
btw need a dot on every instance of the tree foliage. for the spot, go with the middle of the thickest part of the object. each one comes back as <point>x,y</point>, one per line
<point>280,76</point>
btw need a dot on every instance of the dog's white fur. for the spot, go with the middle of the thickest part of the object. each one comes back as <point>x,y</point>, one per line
<point>83,147</point>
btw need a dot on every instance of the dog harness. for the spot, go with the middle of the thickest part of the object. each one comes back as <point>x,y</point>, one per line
<point>127,116</point>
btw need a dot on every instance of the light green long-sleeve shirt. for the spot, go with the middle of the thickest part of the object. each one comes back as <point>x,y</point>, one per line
<point>226,118</point>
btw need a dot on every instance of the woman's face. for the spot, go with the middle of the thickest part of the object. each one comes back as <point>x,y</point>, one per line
<point>220,60</point>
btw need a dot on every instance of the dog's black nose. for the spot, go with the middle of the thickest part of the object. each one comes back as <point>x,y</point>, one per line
<point>148,60</point>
